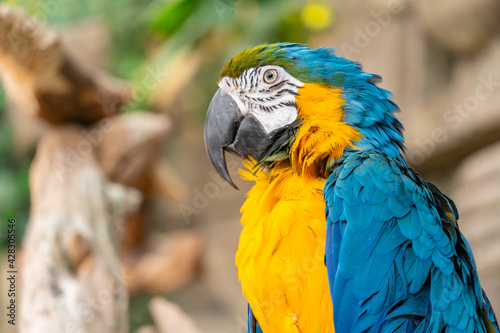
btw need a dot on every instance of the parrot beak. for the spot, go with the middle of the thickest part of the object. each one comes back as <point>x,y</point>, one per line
<point>221,125</point>
<point>227,129</point>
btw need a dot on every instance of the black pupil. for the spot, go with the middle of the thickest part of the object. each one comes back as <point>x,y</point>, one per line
<point>270,75</point>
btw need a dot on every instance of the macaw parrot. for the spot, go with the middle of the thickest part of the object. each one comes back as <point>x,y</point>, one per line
<point>339,233</point>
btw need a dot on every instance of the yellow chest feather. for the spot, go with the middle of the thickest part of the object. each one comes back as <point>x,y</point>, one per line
<point>280,257</point>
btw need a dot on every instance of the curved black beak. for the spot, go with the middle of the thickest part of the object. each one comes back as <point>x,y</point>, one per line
<point>227,129</point>
<point>221,125</point>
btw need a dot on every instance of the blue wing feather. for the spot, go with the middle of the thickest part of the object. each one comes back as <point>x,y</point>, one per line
<point>396,259</point>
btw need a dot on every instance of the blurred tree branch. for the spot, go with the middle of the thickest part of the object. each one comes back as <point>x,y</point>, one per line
<point>37,72</point>
<point>72,276</point>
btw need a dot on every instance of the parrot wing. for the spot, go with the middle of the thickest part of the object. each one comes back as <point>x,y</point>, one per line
<point>396,259</point>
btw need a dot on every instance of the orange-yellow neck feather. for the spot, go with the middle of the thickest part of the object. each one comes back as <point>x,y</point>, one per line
<point>322,136</point>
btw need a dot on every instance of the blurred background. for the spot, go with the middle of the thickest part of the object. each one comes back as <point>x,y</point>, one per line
<point>440,59</point>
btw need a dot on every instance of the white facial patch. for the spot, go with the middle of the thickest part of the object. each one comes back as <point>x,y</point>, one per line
<point>273,104</point>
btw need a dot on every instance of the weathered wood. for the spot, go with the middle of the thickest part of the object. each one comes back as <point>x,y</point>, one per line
<point>72,279</point>
<point>40,76</point>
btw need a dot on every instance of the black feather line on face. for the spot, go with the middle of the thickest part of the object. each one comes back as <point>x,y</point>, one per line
<point>278,85</point>
<point>282,91</point>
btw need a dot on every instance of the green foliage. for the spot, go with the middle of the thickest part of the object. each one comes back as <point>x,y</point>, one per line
<point>139,312</point>
<point>14,191</point>
<point>167,18</point>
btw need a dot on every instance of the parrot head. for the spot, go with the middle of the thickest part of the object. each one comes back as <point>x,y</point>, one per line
<point>287,103</point>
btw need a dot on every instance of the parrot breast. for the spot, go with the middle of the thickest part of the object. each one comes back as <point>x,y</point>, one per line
<point>281,253</point>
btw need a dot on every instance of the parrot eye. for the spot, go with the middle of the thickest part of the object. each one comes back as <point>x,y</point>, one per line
<point>270,76</point>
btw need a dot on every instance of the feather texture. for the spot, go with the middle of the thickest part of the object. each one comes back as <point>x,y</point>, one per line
<point>405,266</point>
<point>281,252</point>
